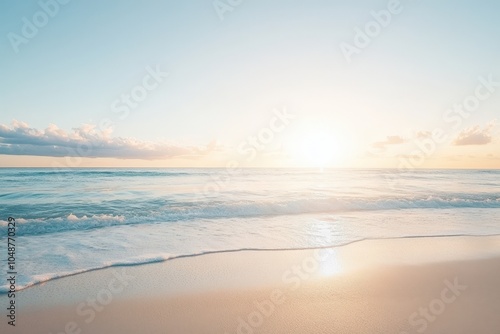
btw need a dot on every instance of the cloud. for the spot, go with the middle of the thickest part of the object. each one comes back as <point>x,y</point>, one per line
<point>391,140</point>
<point>86,141</point>
<point>423,134</point>
<point>475,135</point>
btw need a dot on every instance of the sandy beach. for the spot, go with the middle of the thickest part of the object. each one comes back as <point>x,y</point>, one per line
<point>413,285</point>
<point>249,167</point>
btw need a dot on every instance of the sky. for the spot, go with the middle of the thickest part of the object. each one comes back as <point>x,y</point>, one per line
<point>283,83</point>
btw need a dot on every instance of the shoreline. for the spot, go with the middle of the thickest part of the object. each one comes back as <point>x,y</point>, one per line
<point>386,280</point>
<point>183,256</point>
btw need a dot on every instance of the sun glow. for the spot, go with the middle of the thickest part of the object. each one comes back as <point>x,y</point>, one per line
<point>316,149</point>
<point>330,265</point>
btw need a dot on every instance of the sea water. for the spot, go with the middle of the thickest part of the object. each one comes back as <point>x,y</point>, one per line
<point>74,220</point>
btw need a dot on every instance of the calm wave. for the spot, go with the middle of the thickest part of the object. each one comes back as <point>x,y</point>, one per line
<point>70,221</point>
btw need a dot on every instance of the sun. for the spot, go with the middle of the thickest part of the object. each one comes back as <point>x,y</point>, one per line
<point>315,149</point>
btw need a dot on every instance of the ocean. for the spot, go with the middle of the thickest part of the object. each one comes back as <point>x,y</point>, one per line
<point>75,220</point>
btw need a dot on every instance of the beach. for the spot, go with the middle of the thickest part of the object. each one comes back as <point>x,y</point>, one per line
<point>403,285</point>
<point>249,167</point>
<point>108,217</point>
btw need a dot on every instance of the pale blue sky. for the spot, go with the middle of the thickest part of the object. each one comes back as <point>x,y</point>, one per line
<point>225,76</point>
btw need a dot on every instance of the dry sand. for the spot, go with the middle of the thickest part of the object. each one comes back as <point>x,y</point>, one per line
<point>423,285</point>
